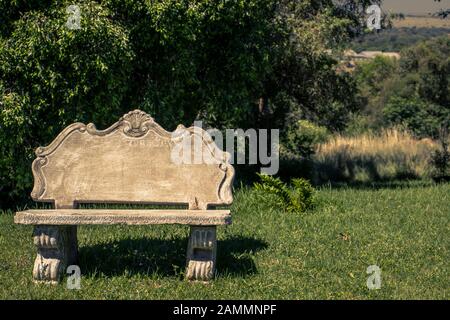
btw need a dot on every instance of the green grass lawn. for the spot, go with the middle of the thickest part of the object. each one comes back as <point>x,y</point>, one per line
<point>265,254</point>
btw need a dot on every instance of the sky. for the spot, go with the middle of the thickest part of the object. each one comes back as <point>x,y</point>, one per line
<point>415,6</point>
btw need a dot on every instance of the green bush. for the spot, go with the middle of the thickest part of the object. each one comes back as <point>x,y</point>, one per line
<point>359,124</point>
<point>422,101</point>
<point>51,76</point>
<point>422,118</point>
<point>440,159</point>
<point>303,137</point>
<point>297,198</point>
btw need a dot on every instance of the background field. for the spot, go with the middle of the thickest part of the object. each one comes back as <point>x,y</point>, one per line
<point>404,33</point>
<point>422,22</point>
<point>266,253</point>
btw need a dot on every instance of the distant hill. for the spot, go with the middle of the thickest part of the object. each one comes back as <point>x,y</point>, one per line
<point>405,32</point>
<point>414,6</point>
<point>422,22</point>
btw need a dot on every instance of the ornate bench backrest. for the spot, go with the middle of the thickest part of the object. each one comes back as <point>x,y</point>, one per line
<point>133,161</point>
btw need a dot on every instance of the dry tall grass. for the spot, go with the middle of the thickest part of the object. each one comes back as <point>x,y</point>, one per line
<point>389,155</point>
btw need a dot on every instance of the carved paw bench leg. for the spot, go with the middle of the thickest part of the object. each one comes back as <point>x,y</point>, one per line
<point>201,253</point>
<point>56,249</point>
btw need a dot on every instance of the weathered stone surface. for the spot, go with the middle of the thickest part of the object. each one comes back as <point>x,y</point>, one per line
<point>130,217</point>
<point>56,249</point>
<point>201,253</point>
<point>131,161</point>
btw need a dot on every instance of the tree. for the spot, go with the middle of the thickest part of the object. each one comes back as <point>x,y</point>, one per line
<point>303,82</point>
<point>429,62</point>
<point>413,92</point>
<point>377,80</point>
<point>423,118</point>
<point>178,60</point>
<point>421,101</point>
<point>51,76</point>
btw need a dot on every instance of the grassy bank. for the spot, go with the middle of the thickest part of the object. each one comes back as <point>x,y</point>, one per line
<point>265,254</point>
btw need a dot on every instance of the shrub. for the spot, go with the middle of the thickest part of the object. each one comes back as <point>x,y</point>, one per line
<point>422,118</point>
<point>359,124</point>
<point>303,137</point>
<point>301,195</point>
<point>51,76</point>
<point>297,198</point>
<point>440,159</point>
<point>412,92</point>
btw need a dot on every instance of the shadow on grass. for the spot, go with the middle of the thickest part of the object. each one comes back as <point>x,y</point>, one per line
<point>165,257</point>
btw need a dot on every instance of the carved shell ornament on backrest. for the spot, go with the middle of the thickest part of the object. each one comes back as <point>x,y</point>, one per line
<point>136,123</point>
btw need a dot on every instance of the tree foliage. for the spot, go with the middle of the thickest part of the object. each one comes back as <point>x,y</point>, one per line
<point>302,138</point>
<point>178,60</point>
<point>51,76</point>
<point>413,93</point>
<point>422,102</point>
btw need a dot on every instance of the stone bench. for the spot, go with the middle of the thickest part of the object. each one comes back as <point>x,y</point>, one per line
<point>130,162</point>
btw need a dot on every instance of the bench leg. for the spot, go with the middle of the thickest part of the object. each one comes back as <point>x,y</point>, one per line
<point>201,253</point>
<point>57,248</point>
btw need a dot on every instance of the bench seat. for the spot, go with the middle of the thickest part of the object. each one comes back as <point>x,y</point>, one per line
<point>119,216</point>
